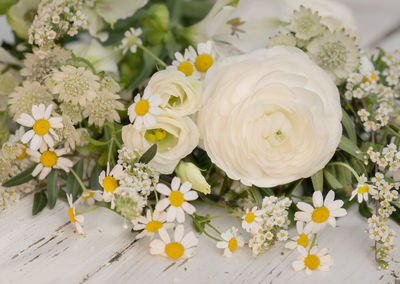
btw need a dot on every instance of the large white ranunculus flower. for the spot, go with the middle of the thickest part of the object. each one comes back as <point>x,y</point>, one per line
<point>270,117</point>
<point>180,95</point>
<point>176,137</point>
<point>333,14</point>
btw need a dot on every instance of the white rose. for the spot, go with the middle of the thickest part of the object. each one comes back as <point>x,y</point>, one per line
<point>333,14</point>
<point>270,117</point>
<point>176,137</point>
<point>180,95</point>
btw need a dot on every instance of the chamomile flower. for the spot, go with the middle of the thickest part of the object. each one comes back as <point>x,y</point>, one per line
<point>322,213</point>
<point>176,200</point>
<point>77,220</point>
<point>90,196</point>
<point>142,111</point>
<point>303,239</point>
<point>185,62</point>
<point>42,132</point>
<point>230,242</point>
<point>314,260</point>
<point>17,149</point>
<point>362,191</point>
<point>205,57</point>
<point>181,247</point>
<point>131,40</point>
<point>252,220</point>
<point>109,181</point>
<point>49,159</point>
<point>151,224</point>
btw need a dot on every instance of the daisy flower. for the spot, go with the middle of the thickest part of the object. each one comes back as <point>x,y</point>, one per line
<point>181,247</point>
<point>77,220</point>
<point>90,196</point>
<point>42,126</point>
<point>142,110</point>
<point>185,62</point>
<point>362,190</point>
<point>251,220</point>
<point>322,213</point>
<point>230,242</point>
<point>177,198</point>
<point>205,57</point>
<point>49,159</point>
<point>109,181</point>
<point>131,40</point>
<point>313,260</point>
<point>151,224</point>
<point>303,239</point>
<point>18,148</point>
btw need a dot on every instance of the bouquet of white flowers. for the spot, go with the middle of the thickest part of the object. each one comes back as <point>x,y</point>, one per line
<point>268,109</point>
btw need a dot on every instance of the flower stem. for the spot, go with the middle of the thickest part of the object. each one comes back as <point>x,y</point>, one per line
<point>302,197</point>
<point>313,242</point>
<point>78,179</point>
<point>155,57</point>
<point>4,118</point>
<point>215,229</point>
<point>218,206</point>
<point>220,216</point>
<point>87,210</point>
<point>348,167</point>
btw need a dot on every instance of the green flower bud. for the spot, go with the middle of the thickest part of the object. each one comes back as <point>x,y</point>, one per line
<point>189,172</point>
<point>20,16</point>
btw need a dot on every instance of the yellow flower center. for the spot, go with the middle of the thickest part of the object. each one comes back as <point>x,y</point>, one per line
<point>363,189</point>
<point>142,107</point>
<point>154,135</point>
<point>153,226</point>
<point>249,217</point>
<point>232,244</point>
<point>87,195</point>
<point>186,68</point>
<point>368,79</point>
<point>109,184</point>
<point>203,62</point>
<point>48,159</point>
<point>320,214</point>
<point>41,127</point>
<point>23,153</point>
<point>71,215</point>
<point>176,198</point>
<point>302,240</point>
<point>312,261</point>
<point>174,250</point>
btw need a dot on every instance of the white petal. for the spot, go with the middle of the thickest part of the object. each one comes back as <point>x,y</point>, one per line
<point>335,205</point>
<point>27,136</point>
<point>171,213</point>
<point>37,170</point>
<point>302,216</point>
<point>162,204</point>
<point>164,235</point>
<point>36,142</point>
<point>37,112</point>
<point>163,189</point>
<point>47,113</point>
<point>185,187</point>
<point>299,227</point>
<point>332,221</point>
<point>329,198</point>
<point>339,212</point>
<point>298,265</point>
<point>180,215</point>
<point>190,240</point>
<point>191,195</point>
<point>222,245</point>
<point>44,172</point>
<point>176,182</point>
<point>49,141</point>
<point>291,245</point>
<point>317,199</point>
<point>305,207</point>
<point>189,208</point>
<point>26,120</point>
<point>178,235</point>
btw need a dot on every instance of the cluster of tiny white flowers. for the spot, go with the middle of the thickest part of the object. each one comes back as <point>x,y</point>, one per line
<point>388,159</point>
<point>131,40</point>
<point>129,203</point>
<point>127,156</point>
<point>273,224</point>
<point>54,19</point>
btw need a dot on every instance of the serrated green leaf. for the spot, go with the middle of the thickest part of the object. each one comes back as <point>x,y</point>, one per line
<point>364,210</point>
<point>73,186</point>
<point>149,154</point>
<point>52,188</point>
<point>21,178</point>
<point>349,127</point>
<point>349,147</point>
<point>94,178</point>
<point>331,179</point>
<point>318,180</point>
<point>39,202</point>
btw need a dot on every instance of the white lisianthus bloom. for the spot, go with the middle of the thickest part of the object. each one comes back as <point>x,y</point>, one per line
<point>333,14</point>
<point>270,117</point>
<point>176,137</point>
<point>180,95</point>
<point>246,25</point>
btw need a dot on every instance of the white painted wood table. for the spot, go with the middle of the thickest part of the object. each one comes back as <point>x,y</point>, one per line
<point>44,249</point>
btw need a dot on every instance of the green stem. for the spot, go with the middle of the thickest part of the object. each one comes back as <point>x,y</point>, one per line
<point>211,237</point>
<point>4,118</point>
<point>348,167</point>
<point>110,150</point>
<point>392,131</point>
<point>87,210</point>
<point>302,197</point>
<point>87,62</point>
<point>218,206</point>
<point>156,195</point>
<point>215,229</point>
<point>220,216</point>
<point>155,57</point>
<point>78,179</point>
<point>313,242</point>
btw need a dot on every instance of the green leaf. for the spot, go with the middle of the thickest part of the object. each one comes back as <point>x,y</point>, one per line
<point>349,147</point>
<point>396,214</point>
<point>364,210</point>
<point>149,154</point>
<point>94,178</point>
<point>21,178</point>
<point>331,179</point>
<point>52,188</point>
<point>256,195</point>
<point>96,142</point>
<point>318,180</point>
<point>73,186</point>
<point>39,202</point>
<point>201,159</point>
<point>5,5</point>
<point>349,126</point>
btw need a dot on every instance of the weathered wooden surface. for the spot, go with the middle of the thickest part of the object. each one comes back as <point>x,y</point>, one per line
<point>44,249</point>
